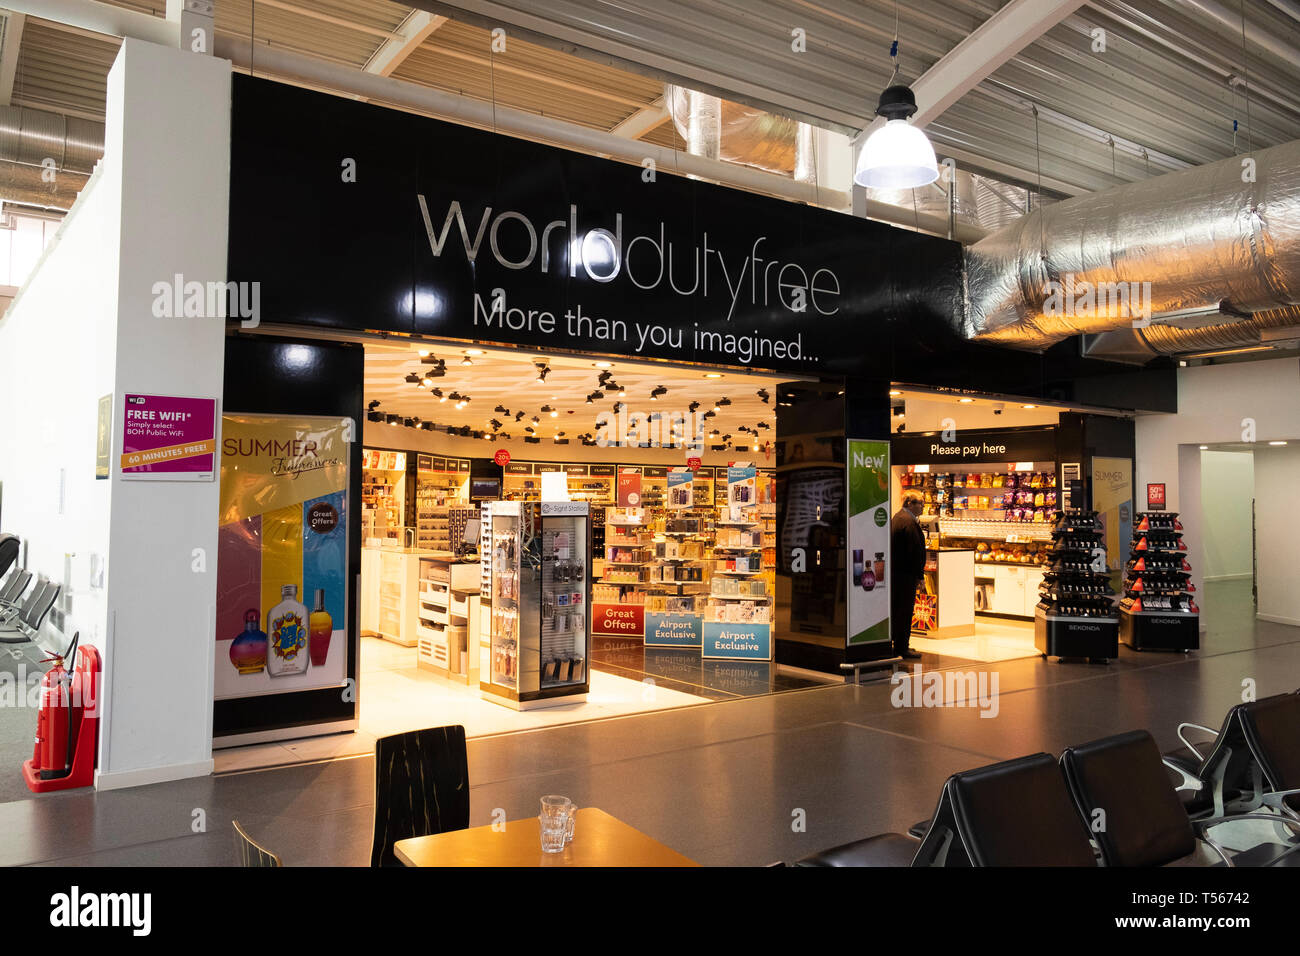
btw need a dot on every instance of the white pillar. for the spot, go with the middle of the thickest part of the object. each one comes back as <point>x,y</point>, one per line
<point>167,149</point>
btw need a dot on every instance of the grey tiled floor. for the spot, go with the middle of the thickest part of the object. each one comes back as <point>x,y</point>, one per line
<point>717,782</point>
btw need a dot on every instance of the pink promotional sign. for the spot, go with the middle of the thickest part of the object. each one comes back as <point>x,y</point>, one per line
<point>165,438</point>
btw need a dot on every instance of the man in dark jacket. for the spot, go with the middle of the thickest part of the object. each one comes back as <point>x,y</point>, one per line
<point>907,553</point>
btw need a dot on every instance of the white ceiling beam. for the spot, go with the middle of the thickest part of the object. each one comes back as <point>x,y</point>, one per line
<point>13,38</point>
<point>975,58</point>
<point>649,117</point>
<point>414,30</point>
<point>100,18</point>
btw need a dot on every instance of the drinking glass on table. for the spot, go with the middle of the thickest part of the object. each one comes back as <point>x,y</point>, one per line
<point>557,818</point>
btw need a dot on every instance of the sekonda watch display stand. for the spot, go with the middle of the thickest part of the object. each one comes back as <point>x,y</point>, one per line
<point>1076,616</point>
<point>1158,611</point>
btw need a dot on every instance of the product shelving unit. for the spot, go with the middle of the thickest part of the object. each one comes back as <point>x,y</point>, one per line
<point>992,496</point>
<point>537,654</point>
<point>440,483</point>
<point>1158,611</point>
<point>383,493</point>
<point>1077,616</point>
<point>740,599</point>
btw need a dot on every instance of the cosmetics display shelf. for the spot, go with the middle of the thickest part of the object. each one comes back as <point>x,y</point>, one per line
<point>1158,611</point>
<point>1076,616</point>
<point>739,591</point>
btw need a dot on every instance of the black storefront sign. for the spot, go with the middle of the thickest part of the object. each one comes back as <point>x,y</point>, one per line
<point>454,232</point>
<point>975,447</point>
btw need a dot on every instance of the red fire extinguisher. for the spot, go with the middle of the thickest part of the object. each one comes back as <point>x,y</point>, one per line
<point>54,720</point>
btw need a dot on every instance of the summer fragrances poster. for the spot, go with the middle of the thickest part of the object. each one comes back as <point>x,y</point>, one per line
<point>282,555</point>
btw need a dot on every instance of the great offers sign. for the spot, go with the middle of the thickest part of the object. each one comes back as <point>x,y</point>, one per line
<point>353,216</point>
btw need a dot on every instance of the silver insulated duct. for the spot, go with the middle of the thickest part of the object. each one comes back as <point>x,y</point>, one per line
<point>33,137</point>
<point>1222,235</point>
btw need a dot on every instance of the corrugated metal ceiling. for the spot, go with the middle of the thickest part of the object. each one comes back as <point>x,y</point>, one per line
<point>1164,93</point>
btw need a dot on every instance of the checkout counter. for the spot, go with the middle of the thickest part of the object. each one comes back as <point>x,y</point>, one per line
<point>947,609</point>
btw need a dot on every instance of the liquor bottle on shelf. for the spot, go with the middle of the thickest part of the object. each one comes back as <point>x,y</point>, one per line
<point>1076,616</point>
<point>1158,610</point>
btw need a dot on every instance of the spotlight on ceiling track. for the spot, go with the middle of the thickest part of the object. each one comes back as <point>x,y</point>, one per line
<point>374,403</point>
<point>393,419</point>
<point>762,393</point>
<point>656,392</point>
<point>414,379</point>
<point>543,370</point>
<point>692,406</point>
<point>373,416</point>
<point>427,426</point>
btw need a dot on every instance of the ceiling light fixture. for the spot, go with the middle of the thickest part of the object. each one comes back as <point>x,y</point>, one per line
<point>966,401</point>
<point>1028,406</point>
<point>897,155</point>
<point>543,370</point>
<point>474,352</point>
<point>713,375</point>
<point>1276,444</point>
<point>893,392</point>
<point>603,364</point>
<point>467,361</point>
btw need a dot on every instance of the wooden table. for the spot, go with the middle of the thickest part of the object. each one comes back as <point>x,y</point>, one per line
<point>598,840</point>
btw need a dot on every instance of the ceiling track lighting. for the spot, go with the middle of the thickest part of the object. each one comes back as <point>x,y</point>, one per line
<point>762,393</point>
<point>427,426</point>
<point>692,406</point>
<point>543,370</point>
<point>373,405</point>
<point>373,416</point>
<point>656,392</point>
<point>414,379</point>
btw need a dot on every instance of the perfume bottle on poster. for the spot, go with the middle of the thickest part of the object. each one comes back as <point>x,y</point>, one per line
<point>248,650</point>
<point>321,628</point>
<point>286,628</point>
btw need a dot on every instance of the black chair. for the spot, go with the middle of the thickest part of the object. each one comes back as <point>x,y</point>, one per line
<point>1230,777</point>
<point>1015,813</point>
<point>1272,730</point>
<point>252,853</point>
<point>9,548</point>
<point>421,787</point>
<point>11,595</point>
<point>1122,793</point>
<point>32,615</point>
